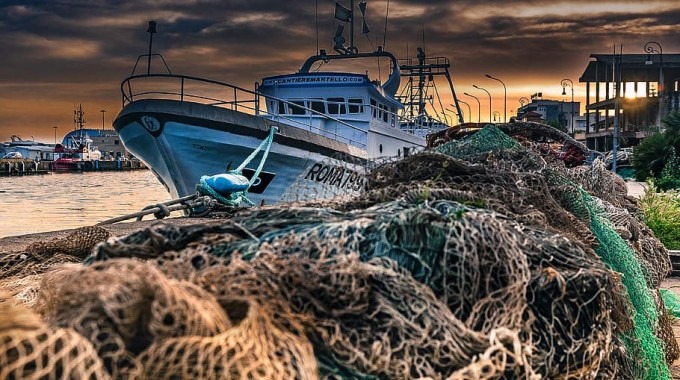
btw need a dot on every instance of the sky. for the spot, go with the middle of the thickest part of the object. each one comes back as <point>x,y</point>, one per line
<point>57,54</point>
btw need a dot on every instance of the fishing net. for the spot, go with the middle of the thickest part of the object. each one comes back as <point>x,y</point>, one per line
<point>122,306</point>
<point>29,349</point>
<point>493,255</point>
<point>79,243</point>
<point>20,272</point>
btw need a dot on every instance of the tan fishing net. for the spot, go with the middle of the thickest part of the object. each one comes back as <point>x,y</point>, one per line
<point>29,349</point>
<point>485,257</point>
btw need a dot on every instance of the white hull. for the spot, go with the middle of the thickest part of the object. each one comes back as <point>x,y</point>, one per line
<point>183,141</point>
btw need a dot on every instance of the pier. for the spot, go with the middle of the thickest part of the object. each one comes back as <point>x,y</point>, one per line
<point>21,167</point>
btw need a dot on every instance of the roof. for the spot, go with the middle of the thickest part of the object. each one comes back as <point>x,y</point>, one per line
<point>633,67</point>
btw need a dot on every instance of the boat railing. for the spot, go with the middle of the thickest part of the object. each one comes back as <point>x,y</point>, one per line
<point>415,125</point>
<point>236,98</point>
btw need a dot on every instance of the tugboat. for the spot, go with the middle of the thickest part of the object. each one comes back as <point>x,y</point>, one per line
<point>77,148</point>
<point>312,128</point>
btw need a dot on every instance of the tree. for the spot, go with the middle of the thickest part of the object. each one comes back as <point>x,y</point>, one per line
<point>657,152</point>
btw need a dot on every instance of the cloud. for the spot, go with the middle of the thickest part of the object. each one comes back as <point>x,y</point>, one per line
<point>83,48</point>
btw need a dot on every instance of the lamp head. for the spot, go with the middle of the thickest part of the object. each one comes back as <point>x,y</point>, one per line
<point>152,27</point>
<point>649,60</point>
<point>488,76</point>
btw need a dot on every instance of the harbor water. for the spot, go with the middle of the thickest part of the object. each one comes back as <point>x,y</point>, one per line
<point>51,202</point>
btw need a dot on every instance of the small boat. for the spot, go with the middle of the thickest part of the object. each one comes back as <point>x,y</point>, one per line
<point>76,149</point>
<point>308,129</point>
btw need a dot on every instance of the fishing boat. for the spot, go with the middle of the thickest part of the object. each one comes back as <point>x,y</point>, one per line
<point>308,128</point>
<point>76,147</point>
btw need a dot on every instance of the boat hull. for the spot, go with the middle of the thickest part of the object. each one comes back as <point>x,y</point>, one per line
<point>183,141</point>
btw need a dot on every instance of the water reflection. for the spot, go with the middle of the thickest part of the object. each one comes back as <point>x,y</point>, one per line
<point>52,202</point>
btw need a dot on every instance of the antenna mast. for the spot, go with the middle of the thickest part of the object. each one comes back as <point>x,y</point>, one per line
<point>151,30</point>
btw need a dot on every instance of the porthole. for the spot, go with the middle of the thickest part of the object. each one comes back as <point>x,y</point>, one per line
<point>380,148</point>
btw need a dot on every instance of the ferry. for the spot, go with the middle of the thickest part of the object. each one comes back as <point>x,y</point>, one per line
<point>304,129</point>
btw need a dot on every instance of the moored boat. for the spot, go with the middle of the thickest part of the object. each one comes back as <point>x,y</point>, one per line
<point>314,127</point>
<point>76,149</point>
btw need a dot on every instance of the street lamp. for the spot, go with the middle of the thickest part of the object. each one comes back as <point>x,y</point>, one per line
<point>505,98</point>
<point>496,114</point>
<point>469,110</point>
<point>650,48</point>
<point>565,83</point>
<point>103,112</point>
<point>479,107</point>
<point>488,93</point>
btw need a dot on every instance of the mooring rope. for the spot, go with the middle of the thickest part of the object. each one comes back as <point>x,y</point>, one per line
<point>162,210</point>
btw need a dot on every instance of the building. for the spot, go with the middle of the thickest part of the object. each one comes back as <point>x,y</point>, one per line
<point>553,112</point>
<point>642,87</point>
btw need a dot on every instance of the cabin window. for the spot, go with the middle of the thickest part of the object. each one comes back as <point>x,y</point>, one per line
<point>383,112</point>
<point>281,107</point>
<point>336,106</point>
<point>374,110</point>
<point>296,107</point>
<point>317,105</point>
<point>356,105</point>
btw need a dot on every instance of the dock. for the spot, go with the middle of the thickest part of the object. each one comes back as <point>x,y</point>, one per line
<point>21,167</point>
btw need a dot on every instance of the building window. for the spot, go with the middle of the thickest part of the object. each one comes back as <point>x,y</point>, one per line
<point>116,142</point>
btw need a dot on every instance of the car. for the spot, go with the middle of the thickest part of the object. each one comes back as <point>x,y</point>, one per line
<point>13,155</point>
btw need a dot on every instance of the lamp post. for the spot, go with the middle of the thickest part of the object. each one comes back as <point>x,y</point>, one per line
<point>488,93</point>
<point>55,135</point>
<point>496,114</point>
<point>651,47</point>
<point>103,112</point>
<point>505,98</point>
<point>468,107</point>
<point>565,83</point>
<point>479,107</point>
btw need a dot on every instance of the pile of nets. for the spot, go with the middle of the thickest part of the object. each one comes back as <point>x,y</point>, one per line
<point>487,256</point>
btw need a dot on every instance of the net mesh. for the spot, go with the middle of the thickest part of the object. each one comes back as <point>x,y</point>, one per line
<point>493,255</point>
<point>30,349</point>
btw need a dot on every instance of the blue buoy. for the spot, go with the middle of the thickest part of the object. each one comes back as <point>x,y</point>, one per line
<point>228,183</point>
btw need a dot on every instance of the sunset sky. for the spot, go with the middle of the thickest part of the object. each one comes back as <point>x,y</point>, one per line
<point>56,54</point>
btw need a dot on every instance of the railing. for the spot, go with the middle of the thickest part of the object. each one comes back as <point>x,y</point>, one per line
<point>220,94</point>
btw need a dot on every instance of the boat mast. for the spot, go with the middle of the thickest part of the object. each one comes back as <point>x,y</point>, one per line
<point>351,26</point>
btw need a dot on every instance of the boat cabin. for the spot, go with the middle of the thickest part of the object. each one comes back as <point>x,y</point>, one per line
<point>345,113</point>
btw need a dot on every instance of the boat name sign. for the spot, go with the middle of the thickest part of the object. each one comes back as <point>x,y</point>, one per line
<point>314,79</point>
<point>336,176</point>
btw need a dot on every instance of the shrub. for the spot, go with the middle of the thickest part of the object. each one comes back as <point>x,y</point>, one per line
<point>661,212</point>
